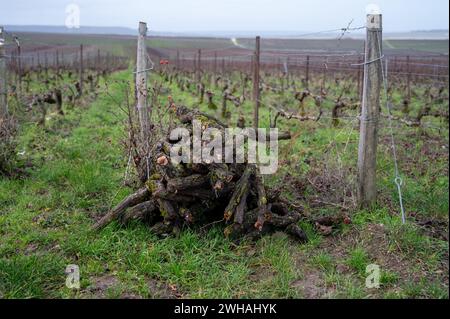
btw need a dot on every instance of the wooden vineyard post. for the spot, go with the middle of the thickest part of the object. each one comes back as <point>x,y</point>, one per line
<point>370,112</point>
<point>252,65</point>
<point>3,86</point>
<point>307,72</point>
<point>57,62</point>
<point>214,73</point>
<point>278,65</point>
<point>198,76</point>
<point>408,66</point>
<point>19,67</point>
<point>324,73</point>
<point>81,69</point>
<point>107,60</point>
<point>288,73</point>
<point>198,69</point>
<point>194,66</point>
<point>141,86</point>
<point>256,92</point>
<point>46,64</point>
<point>97,67</point>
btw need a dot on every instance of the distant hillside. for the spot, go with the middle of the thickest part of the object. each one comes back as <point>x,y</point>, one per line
<point>62,29</point>
<point>420,34</point>
<point>411,35</point>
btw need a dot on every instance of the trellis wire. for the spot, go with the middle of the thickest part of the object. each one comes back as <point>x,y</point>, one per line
<point>398,179</point>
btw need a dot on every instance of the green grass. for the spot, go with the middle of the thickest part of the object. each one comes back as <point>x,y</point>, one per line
<point>31,276</point>
<point>45,218</point>
<point>323,261</point>
<point>358,260</point>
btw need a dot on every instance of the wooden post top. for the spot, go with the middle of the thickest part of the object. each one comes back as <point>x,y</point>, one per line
<point>142,28</point>
<point>374,22</point>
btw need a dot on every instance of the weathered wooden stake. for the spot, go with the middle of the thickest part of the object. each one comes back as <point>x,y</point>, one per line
<point>57,61</point>
<point>324,73</point>
<point>198,69</point>
<point>81,69</point>
<point>46,64</point>
<point>256,92</point>
<point>141,85</point>
<point>288,72</point>
<point>408,79</point>
<point>19,68</point>
<point>98,59</point>
<point>307,72</point>
<point>3,85</point>
<point>370,112</point>
<point>198,76</point>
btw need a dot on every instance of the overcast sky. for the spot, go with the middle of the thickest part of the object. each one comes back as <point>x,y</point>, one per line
<point>230,15</point>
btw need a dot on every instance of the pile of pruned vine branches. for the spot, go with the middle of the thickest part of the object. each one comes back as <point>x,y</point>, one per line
<point>178,195</point>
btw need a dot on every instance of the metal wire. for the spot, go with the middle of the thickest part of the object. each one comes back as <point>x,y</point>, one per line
<point>344,30</point>
<point>146,70</point>
<point>398,179</point>
<point>368,62</point>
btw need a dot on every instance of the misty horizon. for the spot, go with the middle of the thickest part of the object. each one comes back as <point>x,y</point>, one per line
<point>213,31</point>
<point>308,34</point>
<point>202,16</point>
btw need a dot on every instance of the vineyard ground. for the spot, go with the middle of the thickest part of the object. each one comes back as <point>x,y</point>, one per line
<point>76,175</point>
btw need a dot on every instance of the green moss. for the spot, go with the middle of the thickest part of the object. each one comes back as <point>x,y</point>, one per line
<point>151,185</point>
